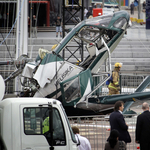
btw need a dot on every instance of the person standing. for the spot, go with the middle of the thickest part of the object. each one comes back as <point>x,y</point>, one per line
<point>85,13</point>
<point>142,132</point>
<point>113,142</point>
<point>58,26</point>
<point>117,122</point>
<point>144,5</point>
<point>29,26</point>
<point>132,8</point>
<point>88,14</point>
<point>113,86</point>
<point>34,26</point>
<point>4,20</point>
<point>82,142</point>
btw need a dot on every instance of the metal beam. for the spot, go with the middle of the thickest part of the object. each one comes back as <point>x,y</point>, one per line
<point>21,33</point>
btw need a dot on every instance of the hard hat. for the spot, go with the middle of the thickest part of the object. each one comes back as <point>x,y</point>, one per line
<point>118,65</point>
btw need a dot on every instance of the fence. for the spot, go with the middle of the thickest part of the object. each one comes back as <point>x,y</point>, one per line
<point>97,129</point>
<point>129,84</point>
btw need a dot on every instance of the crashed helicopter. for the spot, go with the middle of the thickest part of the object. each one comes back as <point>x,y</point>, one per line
<point>74,81</point>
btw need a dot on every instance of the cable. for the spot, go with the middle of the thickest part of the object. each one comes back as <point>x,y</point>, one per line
<point>13,24</point>
<point>7,48</point>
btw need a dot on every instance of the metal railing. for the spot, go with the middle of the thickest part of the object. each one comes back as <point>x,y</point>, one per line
<point>129,84</point>
<point>97,129</point>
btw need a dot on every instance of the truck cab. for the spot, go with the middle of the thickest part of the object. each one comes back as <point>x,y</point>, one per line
<point>35,124</point>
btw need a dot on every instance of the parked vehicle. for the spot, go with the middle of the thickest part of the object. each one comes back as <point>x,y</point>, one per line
<point>24,121</point>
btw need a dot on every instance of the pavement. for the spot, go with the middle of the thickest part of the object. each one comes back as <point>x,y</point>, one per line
<point>135,15</point>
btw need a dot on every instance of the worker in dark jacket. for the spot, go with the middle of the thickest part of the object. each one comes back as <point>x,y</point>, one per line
<point>117,122</point>
<point>142,132</point>
<point>114,87</point>
<point>132,8</point>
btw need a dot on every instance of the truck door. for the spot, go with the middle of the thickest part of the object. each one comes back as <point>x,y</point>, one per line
<point>35,131</point>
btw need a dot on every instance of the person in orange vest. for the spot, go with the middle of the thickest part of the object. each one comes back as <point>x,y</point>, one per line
<point>113,86</point>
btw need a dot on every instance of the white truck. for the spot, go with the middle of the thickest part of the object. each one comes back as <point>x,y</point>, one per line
<point>22,125</point>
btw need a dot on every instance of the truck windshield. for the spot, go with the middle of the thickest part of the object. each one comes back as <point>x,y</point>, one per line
<point>71,132</point>
<point>36,122</point>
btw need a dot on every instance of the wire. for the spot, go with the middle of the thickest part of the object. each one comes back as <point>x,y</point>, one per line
<point>7,48</point>
<point>13,24</point>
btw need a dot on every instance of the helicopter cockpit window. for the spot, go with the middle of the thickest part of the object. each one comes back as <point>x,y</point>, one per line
<point>101,21</point>
<point>105,22</point>
<point>120,23</point>
<point>75,49</point>
<point>84,45</point>
<point>72,91</point>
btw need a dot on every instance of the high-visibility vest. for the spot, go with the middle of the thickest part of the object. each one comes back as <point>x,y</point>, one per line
<point>46,125</point>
